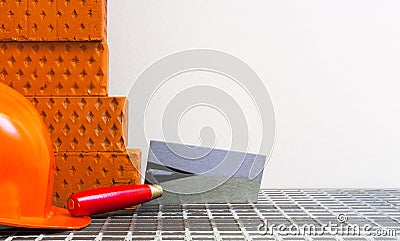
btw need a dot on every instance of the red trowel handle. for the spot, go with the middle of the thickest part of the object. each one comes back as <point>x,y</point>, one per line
<point>110,199</point>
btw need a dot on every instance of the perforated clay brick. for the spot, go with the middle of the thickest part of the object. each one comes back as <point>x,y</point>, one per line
<point>55,68</point>
<point>85,123</point>
<point>82,19</point>
<point>53,20</point>
<point>80,171</point>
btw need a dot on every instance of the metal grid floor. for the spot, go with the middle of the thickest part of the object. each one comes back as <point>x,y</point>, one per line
<point>278,215</point>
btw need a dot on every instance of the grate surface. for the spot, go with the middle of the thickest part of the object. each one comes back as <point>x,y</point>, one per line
<point>327,214</point>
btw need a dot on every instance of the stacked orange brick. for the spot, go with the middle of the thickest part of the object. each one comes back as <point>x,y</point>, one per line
<point>54,52</point>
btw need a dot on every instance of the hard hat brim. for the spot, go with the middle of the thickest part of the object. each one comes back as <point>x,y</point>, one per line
<point>57,218</point>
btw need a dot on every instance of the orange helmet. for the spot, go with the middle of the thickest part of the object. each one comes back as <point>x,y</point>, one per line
<point>27,168</point>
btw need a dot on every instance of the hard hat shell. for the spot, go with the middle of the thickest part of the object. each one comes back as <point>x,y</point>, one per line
<point>27,168</point>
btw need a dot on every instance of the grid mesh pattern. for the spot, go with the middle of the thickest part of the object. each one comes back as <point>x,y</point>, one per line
<point>378,209</point>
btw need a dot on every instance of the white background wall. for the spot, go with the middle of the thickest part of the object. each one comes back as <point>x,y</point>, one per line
<point>332,69</point>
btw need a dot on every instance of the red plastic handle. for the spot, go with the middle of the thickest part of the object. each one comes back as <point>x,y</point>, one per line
<point>107,199</point>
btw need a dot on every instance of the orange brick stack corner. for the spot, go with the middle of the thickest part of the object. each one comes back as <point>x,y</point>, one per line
<point>55,54</point>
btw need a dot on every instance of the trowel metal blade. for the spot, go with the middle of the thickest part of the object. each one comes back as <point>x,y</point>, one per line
<point>193,174</point>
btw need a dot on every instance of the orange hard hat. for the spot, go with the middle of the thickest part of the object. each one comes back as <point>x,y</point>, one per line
<point>27,168</point>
